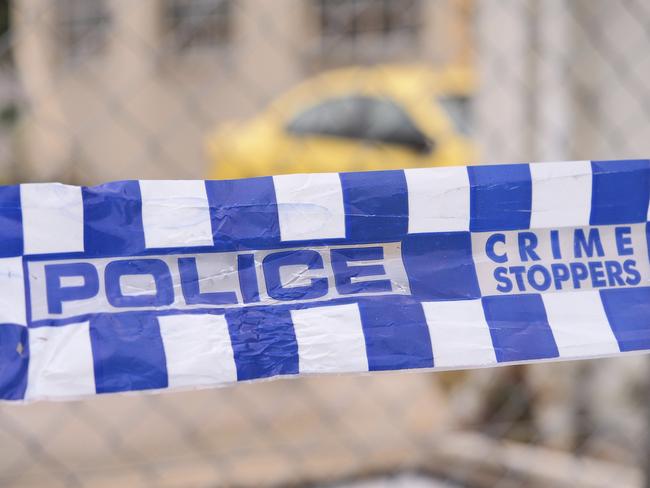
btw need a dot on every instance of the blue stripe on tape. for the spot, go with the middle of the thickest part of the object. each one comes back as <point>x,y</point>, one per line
<point>440,266</point>
<point>11,222</point>
<point>620,191</point>
<point>113,219</point>
<point>244,213</point>
<point>263,342</point>
<point>500,197</point>
<point>396,333</point>
<point>519,327</point>
<point>627,312</point>
<point>128,352</point>
<point>376,205</point>
<point>14,354</point>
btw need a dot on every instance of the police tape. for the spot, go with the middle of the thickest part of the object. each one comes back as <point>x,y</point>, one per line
<point>140,285</point>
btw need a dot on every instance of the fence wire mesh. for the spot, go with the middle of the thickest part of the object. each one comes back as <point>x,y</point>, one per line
<point>99,90</point>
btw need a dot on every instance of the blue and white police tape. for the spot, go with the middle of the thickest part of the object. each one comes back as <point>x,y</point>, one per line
<point>139,285</point>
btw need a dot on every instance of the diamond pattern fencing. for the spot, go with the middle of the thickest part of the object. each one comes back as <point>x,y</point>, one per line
<point>99,90</point>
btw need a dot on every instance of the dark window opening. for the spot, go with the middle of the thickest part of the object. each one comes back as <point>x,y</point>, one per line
<point>339,117</point>
<point>363,118</point>
<point>356,18</point>
<point>5,32</point>
<point>362,31</point>
<point>459,110</point>
<point>198,23</point>
<point>83,26</point>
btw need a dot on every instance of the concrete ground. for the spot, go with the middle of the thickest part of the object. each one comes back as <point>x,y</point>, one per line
<point>265,433</point>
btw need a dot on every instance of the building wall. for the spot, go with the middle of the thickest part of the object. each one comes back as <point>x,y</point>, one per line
<point>140,110</point>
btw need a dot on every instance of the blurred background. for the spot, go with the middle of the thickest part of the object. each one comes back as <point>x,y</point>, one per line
<point>99,90</point>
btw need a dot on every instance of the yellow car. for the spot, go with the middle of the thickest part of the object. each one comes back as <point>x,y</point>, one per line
<point>353,119</point>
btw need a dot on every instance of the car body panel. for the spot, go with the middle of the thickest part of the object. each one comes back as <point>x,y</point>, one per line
<point>264,145</point>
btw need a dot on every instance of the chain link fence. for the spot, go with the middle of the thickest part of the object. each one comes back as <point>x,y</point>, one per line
<point>99,90</point>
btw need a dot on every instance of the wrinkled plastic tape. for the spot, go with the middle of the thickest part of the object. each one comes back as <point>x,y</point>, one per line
<point>141,285</point>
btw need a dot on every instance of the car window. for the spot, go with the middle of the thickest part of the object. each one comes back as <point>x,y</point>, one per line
<point>387,122</point>
<point>459,110</point>
<point>341,117</point>
<point>361,117</point>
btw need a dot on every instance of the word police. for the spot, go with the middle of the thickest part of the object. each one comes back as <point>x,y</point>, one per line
<point>73,288</point>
